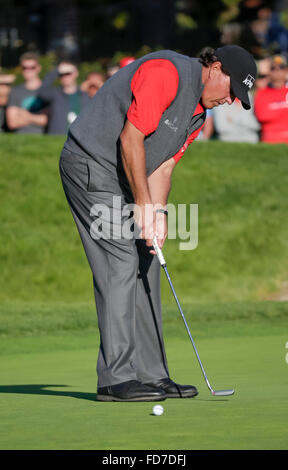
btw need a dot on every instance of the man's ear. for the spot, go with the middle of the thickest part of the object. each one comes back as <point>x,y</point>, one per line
<point>216,66</point>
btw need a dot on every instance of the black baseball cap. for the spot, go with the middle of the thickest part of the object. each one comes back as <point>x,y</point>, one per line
<point>241,67</point>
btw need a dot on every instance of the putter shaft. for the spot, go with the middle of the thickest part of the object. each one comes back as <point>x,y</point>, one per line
<point>164,266</point>
<point>214,392</point>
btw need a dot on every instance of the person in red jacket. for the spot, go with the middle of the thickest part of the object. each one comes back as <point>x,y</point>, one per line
<point>271,104</point>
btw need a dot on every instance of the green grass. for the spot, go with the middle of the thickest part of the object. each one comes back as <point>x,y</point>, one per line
<point>48,326</point>
<point>242,193</point>
<point>48,388</point>
<point>48,380</point>
<point>21,320</point>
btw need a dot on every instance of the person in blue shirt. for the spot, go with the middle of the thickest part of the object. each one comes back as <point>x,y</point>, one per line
<point>26,113</point>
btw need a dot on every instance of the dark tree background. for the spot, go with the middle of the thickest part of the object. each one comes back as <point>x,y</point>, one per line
<point>88,29</point>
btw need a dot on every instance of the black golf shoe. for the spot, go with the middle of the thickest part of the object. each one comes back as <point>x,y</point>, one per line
<point>173,390</point>
<point>130,391</point>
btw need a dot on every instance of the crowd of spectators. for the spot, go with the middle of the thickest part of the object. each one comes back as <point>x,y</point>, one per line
<point>38,106</point>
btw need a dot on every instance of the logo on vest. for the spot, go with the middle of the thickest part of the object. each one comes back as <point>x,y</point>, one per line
<point>171,125</point>
<point>249,81</point>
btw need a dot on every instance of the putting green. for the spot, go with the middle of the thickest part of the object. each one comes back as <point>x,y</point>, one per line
<point>48,383</point>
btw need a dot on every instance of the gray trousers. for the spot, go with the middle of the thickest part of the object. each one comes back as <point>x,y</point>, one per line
<point>126,279</point>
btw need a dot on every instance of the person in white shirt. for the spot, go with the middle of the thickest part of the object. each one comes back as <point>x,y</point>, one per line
<point>235,124</point>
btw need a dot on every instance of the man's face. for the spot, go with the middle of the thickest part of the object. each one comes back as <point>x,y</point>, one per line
<point>278,73</point>
<point>217,89</point>
<point>30,69</point>
<point>68,74</point>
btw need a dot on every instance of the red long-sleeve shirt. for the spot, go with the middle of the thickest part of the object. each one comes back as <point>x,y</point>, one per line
<point>154,87</point>
<point>271,110</point>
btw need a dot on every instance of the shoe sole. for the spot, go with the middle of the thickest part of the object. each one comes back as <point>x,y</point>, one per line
<point>113,398</point>
<point>173,395</point>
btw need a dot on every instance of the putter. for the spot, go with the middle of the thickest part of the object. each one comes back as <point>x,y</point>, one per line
<point>164,266</point>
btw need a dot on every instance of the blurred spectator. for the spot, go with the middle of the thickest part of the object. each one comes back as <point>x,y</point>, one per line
<point>260,25</point>
<point>250,38</point>
<point>271,103</point>
<point>263,29</point>
<point>207,130</point>
<point>92,84</point>
<point>25,110</point>
<point>66,101</point>
<point>235,124</point>
<point>270,31</point>
<point>230,33</point>
<point>112,69</point>
<point>126,61</point>
<point>5,89</point>
<point>263,71</point>
<point>277,35</point>
<point>123,62</point>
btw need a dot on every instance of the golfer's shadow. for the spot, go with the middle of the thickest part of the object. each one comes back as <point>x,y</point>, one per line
<point>42,389</point>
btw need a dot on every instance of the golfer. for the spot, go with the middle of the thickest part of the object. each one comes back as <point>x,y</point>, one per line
<point>121,151</point>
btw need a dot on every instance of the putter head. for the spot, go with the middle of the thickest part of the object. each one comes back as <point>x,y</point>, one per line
<point>223,393</point>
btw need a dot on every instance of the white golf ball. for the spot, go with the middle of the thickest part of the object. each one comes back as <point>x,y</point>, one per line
<point>158,410</point>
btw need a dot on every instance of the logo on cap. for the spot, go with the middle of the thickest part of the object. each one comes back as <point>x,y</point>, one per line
<point>249,81</point>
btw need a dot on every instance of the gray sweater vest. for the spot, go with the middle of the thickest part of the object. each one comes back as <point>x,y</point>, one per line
<point>96,130</point>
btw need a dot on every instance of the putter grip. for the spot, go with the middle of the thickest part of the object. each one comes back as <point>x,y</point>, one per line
<point>159,252</point>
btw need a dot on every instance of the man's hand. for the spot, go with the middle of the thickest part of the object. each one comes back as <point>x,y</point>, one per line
<point>161,228</point>
<point>151,223</point>
<point>144,217</point>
